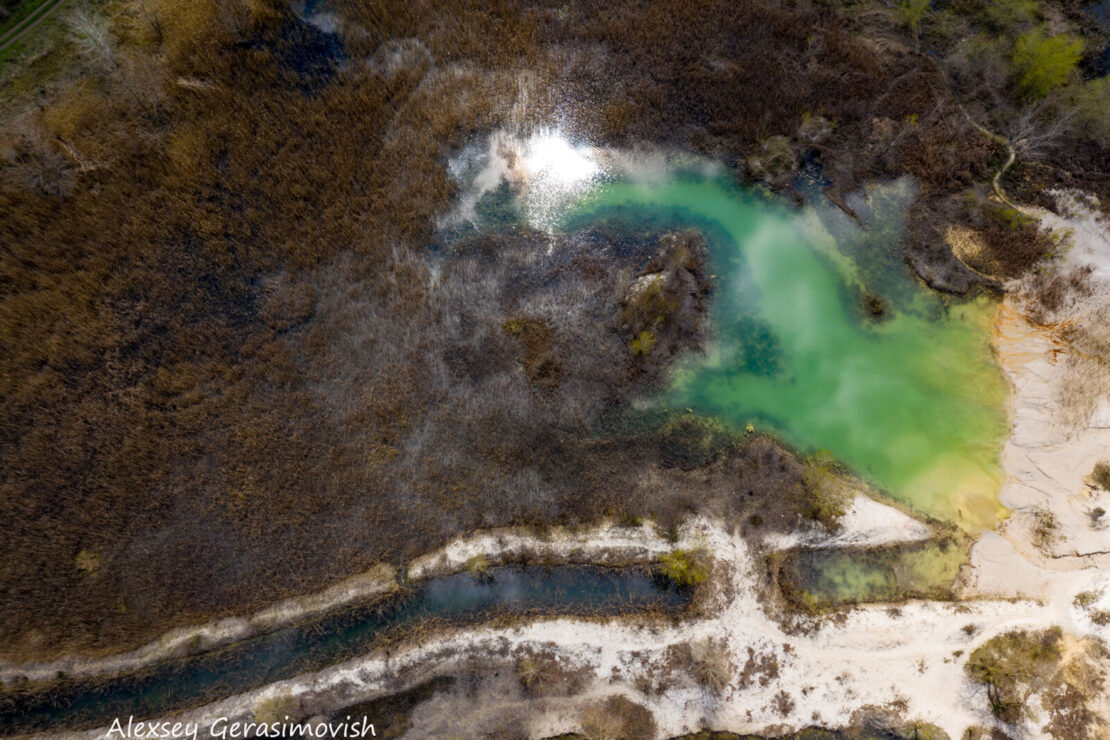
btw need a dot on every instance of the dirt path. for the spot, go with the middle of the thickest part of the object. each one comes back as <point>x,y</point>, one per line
<point>38,16</point>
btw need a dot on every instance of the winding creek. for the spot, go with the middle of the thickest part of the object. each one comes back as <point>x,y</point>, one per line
<point>310,646</point>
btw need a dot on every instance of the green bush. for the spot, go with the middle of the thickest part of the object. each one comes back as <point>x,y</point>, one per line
<point>1044,62</point>
<point>643,343</point>
<point>911,12</point>
<point>684,568</point>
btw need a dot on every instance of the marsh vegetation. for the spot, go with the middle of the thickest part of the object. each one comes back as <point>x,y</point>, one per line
<point>240,361</point>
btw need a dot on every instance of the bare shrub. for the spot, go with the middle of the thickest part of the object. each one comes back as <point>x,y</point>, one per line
<point>759,667</point>
<point>1100,475</point>
<point>1049,293</point>
<point>92,34</point>
<point>530,671</point>
<point>618,718</point>
<point>782,703</point>
<point>1086,377</point>
<point>712,664</point>
<point>1012,667</point>
<point>1045,529</point>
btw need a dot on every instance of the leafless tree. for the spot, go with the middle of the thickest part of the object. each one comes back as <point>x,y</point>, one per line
<point>92,33</point>
<point>39,165</point>
<point>1040,127</point>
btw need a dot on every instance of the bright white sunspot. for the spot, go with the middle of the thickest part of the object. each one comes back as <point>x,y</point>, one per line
<point>547,155</point>
<point>545,171</point>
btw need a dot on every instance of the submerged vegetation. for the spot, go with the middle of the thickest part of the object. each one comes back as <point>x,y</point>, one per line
<point>818,580</point>
<point>241,361</point>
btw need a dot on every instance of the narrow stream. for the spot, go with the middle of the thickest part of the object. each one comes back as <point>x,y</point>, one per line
<point>192,681</point>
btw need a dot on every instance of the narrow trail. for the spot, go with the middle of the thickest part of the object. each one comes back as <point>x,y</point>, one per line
<point>996,181</point>
<point>40,14</point>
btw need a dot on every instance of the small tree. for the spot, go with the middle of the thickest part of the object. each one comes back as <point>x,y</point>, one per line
<point>1044,62</point>
<point>912,12</point>
<point>1012,666</point>
<point>92,34</point>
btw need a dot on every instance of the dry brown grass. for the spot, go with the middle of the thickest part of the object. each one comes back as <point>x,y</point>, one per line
<point>712,664</point>
<point>227,368</point>
<point>618,718</point>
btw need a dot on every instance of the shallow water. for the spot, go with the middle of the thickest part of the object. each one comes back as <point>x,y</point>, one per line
<point>821,577</point>
<point>1100,10</point>
<point>308,647</point>
<point>913,402</point>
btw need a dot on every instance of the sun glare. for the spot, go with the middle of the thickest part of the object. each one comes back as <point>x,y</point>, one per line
<point>547,155</point>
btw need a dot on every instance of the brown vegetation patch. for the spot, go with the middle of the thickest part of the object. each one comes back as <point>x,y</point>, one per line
<point>618,718</point>
<point>540,364</point>
<point>228,368</point>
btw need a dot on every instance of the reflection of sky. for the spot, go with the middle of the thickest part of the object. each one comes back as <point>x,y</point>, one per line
<point>551,158</point>
<point>547,169</point>
<point>553,171</point>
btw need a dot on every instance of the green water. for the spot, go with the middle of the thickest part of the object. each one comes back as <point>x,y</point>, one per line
<point>927,570</point>
<point>913,402</point>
